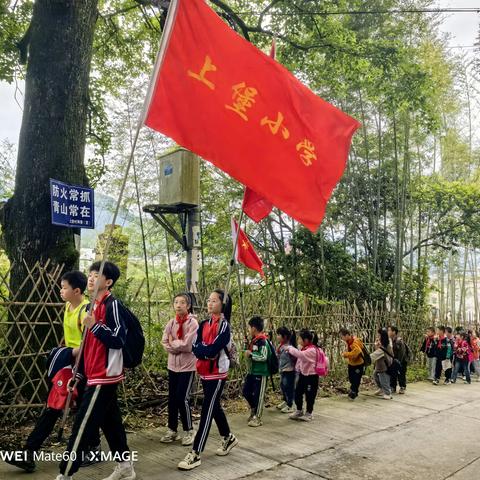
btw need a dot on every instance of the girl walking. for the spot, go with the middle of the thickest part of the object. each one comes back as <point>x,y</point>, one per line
<point>382,358</point>
<point>177,340</point>
<point>211,348</point>
<point>286,367</point>
<point>461,350</point>
<point>308,358</point>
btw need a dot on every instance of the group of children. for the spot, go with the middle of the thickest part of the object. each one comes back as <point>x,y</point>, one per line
<point>451,353</point>
<point>206,349</point>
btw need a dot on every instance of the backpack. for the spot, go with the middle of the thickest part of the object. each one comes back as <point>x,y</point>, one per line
<point>367,361</point>
<point>134,339</point>
<point>322,364</point>
<point>57,397</point>
<point>272,359</point>
<point>232,354</point>
<point>395,365</point>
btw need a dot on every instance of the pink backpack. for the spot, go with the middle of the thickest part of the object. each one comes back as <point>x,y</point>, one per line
<point>322,364</point>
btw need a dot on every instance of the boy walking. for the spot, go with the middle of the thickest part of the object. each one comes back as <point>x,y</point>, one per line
<point>443,352</point>
<point>256,380</point>
<point>356,362</point>
<point>72,288</point>
<point>428,348</point>
<point>400,352</point>
<point>102,366</point>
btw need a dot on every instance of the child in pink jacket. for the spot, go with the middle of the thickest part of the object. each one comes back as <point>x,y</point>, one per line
<point>177,340</point>
<point>307,380</point>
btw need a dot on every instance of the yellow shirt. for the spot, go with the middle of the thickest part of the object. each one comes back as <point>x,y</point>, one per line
<point>71,330</point>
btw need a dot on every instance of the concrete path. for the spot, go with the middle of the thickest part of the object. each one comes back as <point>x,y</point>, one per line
<point>431,433</point>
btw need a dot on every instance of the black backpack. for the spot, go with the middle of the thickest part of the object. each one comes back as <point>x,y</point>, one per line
<point>367,361</point>
<point>134,340</point>
<point>395,365</point>
<point>272,359</point>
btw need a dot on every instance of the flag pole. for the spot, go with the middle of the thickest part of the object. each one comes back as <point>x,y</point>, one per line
<point>169,23</point>
<point>234,257</point>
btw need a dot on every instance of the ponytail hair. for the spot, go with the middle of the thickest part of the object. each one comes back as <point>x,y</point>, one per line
<point>289,335</point>
<point>309,335</point>
<point>226,305</point>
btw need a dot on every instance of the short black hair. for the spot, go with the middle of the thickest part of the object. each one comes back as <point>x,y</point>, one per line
<point>188,298</point>
<point>344,332</point>
<point>448,329</point>
<point>75,279</point>
<point>257,322</point>
<point>393,328</point>
<point>432,329</point>
<point>441,328</point>
<point>110,271</point>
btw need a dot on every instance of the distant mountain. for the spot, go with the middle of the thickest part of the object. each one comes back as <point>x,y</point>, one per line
<point>104,209</point>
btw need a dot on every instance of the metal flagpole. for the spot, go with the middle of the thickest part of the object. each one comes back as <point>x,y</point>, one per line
<point>171,16</point>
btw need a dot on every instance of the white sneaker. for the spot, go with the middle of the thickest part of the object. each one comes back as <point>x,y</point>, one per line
<point>255,422</point>
<point>287,409</point>
<point>227,444</point>
<point>282,405</point>
<point>378,392</point>
<point>170,437</point>
<point>123,472</point>
<point>63,477</point>
<point>387,397</point>
<point>296,414</point>
<point>191,461</point>
<point>188,438</point>
<point>308,417</point>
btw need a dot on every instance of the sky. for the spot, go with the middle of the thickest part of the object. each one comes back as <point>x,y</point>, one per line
<point>462,28</point>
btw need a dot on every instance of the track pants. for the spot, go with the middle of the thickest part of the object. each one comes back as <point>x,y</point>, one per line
<point>46,424</point>
<point>438,371</point>
<point>99,409</point>
<point>287,384</point>
<point>400,377</point>
<point>179,389</point>
<point>306,385</point>
<point>355,374</point>
<point>211,410</point>
<point>254,392</point>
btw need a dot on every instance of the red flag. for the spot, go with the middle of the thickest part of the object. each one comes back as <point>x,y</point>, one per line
<point>245,253</point>
<point>254,205</point>
<point>219,96</point>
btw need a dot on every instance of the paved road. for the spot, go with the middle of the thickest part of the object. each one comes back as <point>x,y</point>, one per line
<point>431,433</point>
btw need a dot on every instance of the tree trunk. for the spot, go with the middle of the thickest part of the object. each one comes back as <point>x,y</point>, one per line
<point>52,136</point>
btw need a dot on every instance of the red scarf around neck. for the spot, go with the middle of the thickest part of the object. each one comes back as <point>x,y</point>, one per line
<point>260,336</point>
<point>181,319</point>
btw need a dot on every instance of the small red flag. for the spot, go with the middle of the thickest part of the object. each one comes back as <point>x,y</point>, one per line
<point>245,253</point>
<point>222,98</point>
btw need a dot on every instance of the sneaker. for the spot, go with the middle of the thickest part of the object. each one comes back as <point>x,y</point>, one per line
<point>123,471</point>
<point>170,437</point>
<point>282,405</point>
<point>296,414</point>
<point>27,464</point>
<point>352,396</point>
<point>435,382</point>
<point>93,456</point>
<point>188,438</point>
<point>401,391</point>
<point>252,414</point>
<point>447,382</point>
<point>378,392</point>
<point>191,461</point>
<point>63,477</point>
<point>387,397</point>
<point>308,417</point>
<point>227,444</point>
<point>255,422</point>
<point>466,382</point>
<point>287,409</point>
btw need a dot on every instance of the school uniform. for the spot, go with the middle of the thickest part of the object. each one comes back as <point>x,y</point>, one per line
<point>428,348</point>
<point>442,353</point>
<point>181,369</point>
<point>102,367</point>
<point>256,380</point>
<point>286,367</point>
<point>213,339</point>
<point>400,352</point>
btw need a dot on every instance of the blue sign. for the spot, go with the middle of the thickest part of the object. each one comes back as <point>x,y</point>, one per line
<point>72,205</point>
